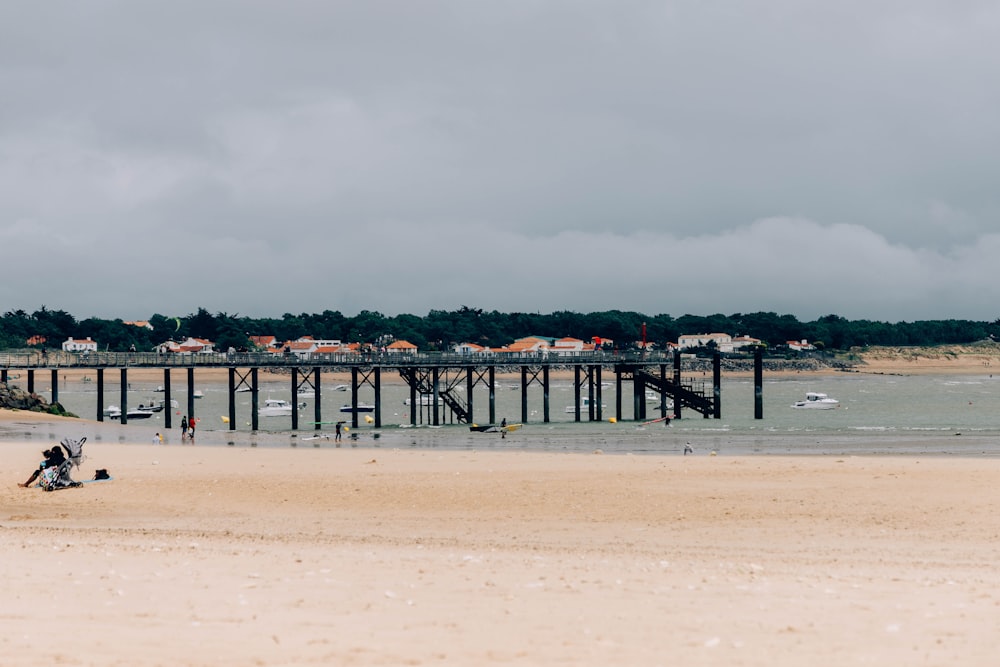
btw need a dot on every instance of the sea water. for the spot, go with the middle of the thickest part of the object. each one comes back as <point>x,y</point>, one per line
<point>878,413</point>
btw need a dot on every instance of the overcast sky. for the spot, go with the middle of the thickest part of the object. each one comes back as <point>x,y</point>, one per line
<point>679,157</point>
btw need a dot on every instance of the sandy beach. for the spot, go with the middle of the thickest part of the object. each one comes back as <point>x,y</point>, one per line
<point>257,556</point>
<point>215,556</point>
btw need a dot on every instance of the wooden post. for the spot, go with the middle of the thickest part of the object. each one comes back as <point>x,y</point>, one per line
<point>295,398</point>
<point>717,385</point>
<point>758,383</point>
<point>168,409</point>
<point>317,409</point>
<point>55,385</point>
<point>100,394</point>
<point>468,390</point>
<point>378,397</point>
<point>576,392</point>
<point>190,383</point>
<point>524,394</point>
<point>254,400</point>
<point>545,394</point>
<point>232,398</point>
<point>493,394</point>
<point>123,392</point>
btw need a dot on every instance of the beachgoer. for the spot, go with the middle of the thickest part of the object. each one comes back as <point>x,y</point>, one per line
<point>503,422</point>
<point>52,457</point>
<point>688,449</point>
<point>157,439</point>
<point>191,428</point>
<point>184,427</point>
<point>337,436</point>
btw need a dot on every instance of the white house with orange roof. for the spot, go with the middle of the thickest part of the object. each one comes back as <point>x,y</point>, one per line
<point>800,345</point>
<point>472,349</point>
<point>401,347</point>
<point>79,345</point>
<point>571,347</point>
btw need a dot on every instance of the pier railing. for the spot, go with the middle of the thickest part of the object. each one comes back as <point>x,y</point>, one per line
<point>35,359</point>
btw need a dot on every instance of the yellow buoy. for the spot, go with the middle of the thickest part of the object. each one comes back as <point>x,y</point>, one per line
<point>369,419</point>
<point>225,420</point>
<point>612,420</point>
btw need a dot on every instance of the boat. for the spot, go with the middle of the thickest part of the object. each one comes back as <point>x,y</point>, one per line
<point>584,406</point>
<point>817,401</point>
<point>484,428</point>
<point>242,389</point>
<point>275,407</point>
<point>424,399</point>
<point>340,387</point>
<point>114,412</point>
<point>198,394</point>
<point>152,407</point>
<point>362,407</point>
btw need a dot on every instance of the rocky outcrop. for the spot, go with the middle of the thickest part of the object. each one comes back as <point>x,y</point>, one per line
<point>15,398</point>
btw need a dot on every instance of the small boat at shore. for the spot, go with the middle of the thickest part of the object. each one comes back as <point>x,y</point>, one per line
<point>362,407</point>
<point>817,401</point>
<point>114,412</point>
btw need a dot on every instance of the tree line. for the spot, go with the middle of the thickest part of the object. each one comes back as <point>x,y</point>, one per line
<point>442,329</point>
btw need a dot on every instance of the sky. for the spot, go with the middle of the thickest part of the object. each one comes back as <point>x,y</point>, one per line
<point>667,157</point>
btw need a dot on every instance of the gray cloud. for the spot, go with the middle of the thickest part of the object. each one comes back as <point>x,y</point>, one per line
<point>395,156</point>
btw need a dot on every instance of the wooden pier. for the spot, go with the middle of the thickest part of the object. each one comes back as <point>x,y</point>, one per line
<point>446,380</point>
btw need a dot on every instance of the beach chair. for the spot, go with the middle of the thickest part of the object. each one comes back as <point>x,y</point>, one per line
<point>60,477</point>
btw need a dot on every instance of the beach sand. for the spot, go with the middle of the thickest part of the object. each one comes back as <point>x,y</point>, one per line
<point>222,556</point>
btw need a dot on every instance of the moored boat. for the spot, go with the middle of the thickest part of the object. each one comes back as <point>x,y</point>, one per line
<point>817,401</point>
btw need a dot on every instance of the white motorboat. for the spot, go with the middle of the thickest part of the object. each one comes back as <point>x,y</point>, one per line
<point>584,406</point>
<point>275,407</point>
<point>198,394</point>
<point>817,401</point>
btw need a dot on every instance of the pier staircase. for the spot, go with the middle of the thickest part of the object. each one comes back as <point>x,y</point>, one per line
<point>686,394</point>
<point>422,381</point>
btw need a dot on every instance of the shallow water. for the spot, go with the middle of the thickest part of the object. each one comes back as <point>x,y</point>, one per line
<point>884,414</point>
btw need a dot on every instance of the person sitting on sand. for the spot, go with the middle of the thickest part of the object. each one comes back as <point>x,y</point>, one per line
<point>53,457</point>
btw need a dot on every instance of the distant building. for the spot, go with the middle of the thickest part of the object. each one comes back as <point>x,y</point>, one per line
<point>745,341</point>
<point>723,342</point>
<point>401,347</point>
<point>78,345</point>
<point>800,346</point>
<point>471,349</point>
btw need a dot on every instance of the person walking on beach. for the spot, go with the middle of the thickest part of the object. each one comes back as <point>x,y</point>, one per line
<point>184,428</point>
<point>191,429</point>
<point>336,438</point>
